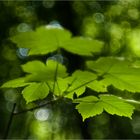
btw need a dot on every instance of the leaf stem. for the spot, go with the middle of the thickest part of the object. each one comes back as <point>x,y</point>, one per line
<point>69,85</point>
<point>132,101</point>
<point>81,86</point>
<point>55,77</point>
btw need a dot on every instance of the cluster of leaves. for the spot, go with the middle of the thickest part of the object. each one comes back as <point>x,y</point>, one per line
<point>41,79</point>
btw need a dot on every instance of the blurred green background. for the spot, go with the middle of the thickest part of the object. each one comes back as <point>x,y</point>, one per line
<point>116,22</point>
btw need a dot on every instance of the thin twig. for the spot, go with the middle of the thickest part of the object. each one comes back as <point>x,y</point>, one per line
<point>31,109</point>
<point>10,122</point>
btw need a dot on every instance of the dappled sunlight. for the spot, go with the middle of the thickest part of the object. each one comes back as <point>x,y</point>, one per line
<point>136,124</point>
<point>52,125</point>
<point>98,17</point>
<point>42,114</point>
<point>134,41</point>
<point>24,27</point>
<point>54,25</point>
<point>133,13</point>
<point>11,95</point>
<point>22,52</point>
<point>58,57</point>
<point>48,4</point>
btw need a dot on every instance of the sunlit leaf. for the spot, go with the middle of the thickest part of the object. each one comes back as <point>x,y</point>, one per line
<point>35,91</point>
<point>44,72</point>
<point>45,40</point>
<point>59,86</point>
<point>35,66</point>
<point>42,40</point>
<point>19,82</point>
<point>83,46</point>
<point>80,80</point>
<point>117,72</point>
<point>91,106</point>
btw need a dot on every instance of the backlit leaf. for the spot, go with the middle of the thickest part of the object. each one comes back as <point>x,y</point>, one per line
<point>42,41</point>
<point>80,80</point>
<point>35,91</point>
<point>45,40</point>
<point>44,72</point>
<point>83,46</point>
<point>19,82</point>
<point>91,106</point>
<point>117,72</point>
<point>59,86</point>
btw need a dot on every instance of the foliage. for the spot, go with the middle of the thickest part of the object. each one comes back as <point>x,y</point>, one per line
<point>51,77</point>
<point>49,39</point>
<point>91,106</point>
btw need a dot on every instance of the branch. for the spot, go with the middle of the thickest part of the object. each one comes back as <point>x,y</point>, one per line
<point>31,109</point>
<point>10,122</point>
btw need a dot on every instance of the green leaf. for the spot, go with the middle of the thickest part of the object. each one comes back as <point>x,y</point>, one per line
<point>83,46</point>
<point>45,40</point>
<point>44,72</point>
<point>80,80</point>
<point>42,41</point>
<point>58,87</point>
<point>91,106</point>
<point>19,82</point>
<point>115,105</point>
<point>56,68</point>
<point>86,99</point>
<point>34,67</point>
<point>35,91</point>
<point>117,72</point>
<point>97,86</point>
